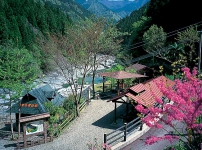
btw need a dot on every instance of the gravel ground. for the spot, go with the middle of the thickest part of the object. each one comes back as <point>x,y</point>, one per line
<point>7,144</point>
<point>94,121</point>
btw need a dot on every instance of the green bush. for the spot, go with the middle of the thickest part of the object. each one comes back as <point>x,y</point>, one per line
<point>53,121</point>
<point>69,104</point>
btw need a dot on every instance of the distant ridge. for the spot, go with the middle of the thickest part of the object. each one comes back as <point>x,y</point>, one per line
<point>115,10</point>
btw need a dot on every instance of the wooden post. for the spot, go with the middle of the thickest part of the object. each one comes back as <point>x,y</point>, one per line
<point>115,113</point>
<point>105,140</point>
<point>17,119</point>
<point>24,136</point>
<point>88,95</point>
<point>45,131</point>
<point>125,131</point>
<point>123,84</point>
<point>39,142</point>
<point>118,86</point>
<point>103,84</point>
<point>141,125</point>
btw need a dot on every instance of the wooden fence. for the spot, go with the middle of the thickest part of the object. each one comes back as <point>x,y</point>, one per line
<point>66,121</point>
<point>72,116</point>
<point>122,132</point>
<point>31,143</point>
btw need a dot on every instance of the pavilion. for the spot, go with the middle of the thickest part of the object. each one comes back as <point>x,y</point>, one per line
<point>120,75</point>
<point>143,93</point>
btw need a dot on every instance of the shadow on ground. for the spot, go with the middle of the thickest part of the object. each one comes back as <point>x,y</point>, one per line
<point>108,121</point>
<point>5,136</point>
<point>10,145</point>
<point>6,127</point>
<point>107,95</point>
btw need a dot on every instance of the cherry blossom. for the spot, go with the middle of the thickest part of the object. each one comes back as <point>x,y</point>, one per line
<point>185,106</point>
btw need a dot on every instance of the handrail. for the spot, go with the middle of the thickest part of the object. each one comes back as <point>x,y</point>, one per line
<point>122,131</point>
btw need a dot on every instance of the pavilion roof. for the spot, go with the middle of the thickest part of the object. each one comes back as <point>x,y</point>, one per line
<point>137,67</point>
<point>146,93</point>
<point>121,75</point>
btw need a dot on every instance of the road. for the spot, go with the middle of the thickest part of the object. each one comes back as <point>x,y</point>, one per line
<point>139,144</point>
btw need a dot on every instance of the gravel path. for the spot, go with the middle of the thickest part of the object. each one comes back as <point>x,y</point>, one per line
<point>93,122</point>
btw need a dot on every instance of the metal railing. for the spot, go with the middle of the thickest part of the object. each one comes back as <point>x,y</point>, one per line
<point>122,132</point>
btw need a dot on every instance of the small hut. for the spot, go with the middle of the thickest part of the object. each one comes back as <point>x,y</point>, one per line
<point>32,103</point>
<point>141,69</point>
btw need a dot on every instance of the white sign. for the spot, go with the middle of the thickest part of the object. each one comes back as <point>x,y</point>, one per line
<point>34,127</point>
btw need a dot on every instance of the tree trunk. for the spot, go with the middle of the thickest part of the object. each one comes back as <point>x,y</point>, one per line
<point>77,110</point>
<point>19,114</point>
<point>93,78</point>
<point>93,84</point>
<point>12,133</point>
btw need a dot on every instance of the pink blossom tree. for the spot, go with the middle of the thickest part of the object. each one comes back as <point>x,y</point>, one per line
<point>185,106</point>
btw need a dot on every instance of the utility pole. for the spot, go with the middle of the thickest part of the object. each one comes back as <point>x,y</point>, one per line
<point>199,53</point>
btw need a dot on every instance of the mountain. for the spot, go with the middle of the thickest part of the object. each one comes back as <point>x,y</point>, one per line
<point>126,5</point>
<point>112,9</point>
<point>69,7</point>
<point>100,10</point>
<point>28,23</point>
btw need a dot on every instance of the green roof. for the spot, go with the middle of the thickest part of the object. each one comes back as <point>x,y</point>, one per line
<point>37,97</point>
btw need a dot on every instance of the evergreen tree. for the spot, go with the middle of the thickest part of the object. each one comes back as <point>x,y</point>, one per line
<point>18,69</point>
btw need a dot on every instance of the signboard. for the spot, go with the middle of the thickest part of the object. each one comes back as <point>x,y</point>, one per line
<point>34,127</point>
<point>28,105</point>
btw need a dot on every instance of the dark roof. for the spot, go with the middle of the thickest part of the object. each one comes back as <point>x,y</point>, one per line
<point>33,103</point>
<point>29,110</point>
<point>121,75</point>
<point>137,67</point>
<point>58,99</point>
<point>48,91</point>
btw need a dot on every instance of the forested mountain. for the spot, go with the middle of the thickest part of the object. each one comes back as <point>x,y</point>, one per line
<point>174,14</point>
<point>125,24</point>
<point>172,17</point>
<point>126,5</point>
<point>101,10</point>
<point>25,23</point>
<point>74,10</point>
<point>114,10</point>
<point>22,20</point>
<point>170,14</point>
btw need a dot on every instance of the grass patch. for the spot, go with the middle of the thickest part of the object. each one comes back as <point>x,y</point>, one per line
<point>99,87</point>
